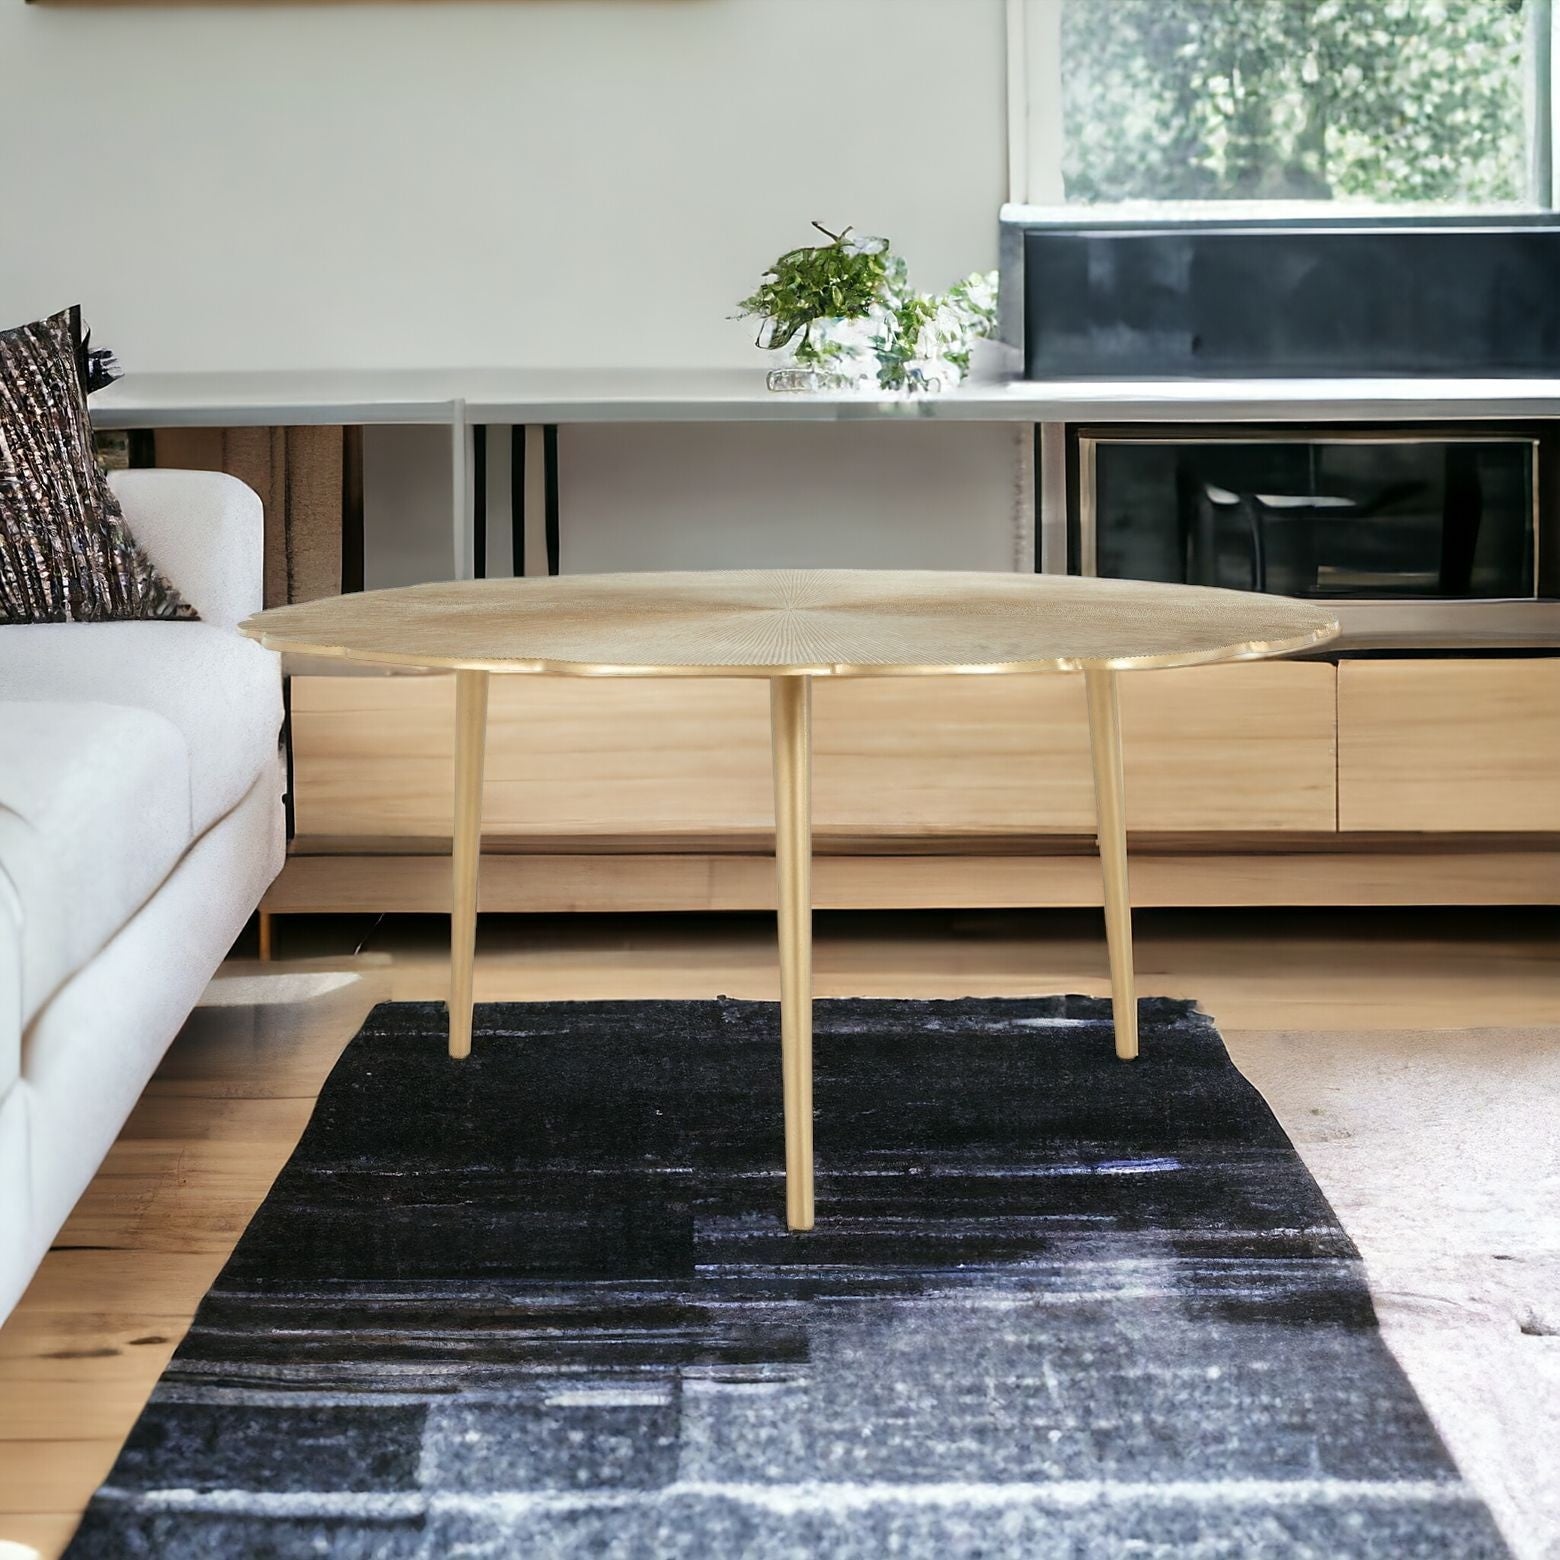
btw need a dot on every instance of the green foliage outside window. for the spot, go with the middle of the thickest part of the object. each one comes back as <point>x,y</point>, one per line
<point>1381,100</point>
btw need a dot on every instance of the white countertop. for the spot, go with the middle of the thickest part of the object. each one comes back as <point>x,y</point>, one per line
<point>569,395</point>
<point>276,398</point>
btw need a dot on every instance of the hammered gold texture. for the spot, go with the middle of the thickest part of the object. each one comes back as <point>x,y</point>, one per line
<point>815,622</point>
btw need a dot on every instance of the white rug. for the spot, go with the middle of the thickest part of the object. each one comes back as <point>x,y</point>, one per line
<point>1440,1152</point>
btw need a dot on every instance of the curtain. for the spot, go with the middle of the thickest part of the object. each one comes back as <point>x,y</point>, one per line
<point>301,475</point>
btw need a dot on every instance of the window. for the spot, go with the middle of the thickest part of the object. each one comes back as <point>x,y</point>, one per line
<point>1440,103</point>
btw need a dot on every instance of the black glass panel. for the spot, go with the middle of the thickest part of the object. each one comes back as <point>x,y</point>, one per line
<point>1266,301</point>
<point>1368,520</point>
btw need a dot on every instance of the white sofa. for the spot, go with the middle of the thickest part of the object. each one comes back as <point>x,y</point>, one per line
<point>140,821</point>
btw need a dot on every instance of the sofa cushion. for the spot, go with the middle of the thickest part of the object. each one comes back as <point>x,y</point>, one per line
<point>94,814</point>
<point>222,692</point>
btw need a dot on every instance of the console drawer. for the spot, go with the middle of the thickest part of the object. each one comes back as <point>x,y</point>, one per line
<point>1246,747</point>
<point>1463,745</point>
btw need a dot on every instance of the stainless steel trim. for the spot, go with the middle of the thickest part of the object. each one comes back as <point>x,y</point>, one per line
<point>1447,625</point>
<point>1051,485</point>
<point>1088,538</point>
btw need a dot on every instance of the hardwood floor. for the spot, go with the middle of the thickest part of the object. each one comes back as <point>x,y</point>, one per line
<point>111,1301</point>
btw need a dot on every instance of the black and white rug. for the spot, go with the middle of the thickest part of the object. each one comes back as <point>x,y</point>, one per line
<point>542,1303</point>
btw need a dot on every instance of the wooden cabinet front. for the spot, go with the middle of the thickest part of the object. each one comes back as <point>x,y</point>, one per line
<point>1449,745</point>
<point>1231,748</point>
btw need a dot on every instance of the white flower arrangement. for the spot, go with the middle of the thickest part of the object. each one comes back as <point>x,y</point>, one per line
<point>892,338</point>
<point>907,341</point>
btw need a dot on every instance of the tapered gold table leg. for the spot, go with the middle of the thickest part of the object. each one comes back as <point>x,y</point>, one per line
<point>1110,809</point>
<point>471,690</point>
<point>790,707</point>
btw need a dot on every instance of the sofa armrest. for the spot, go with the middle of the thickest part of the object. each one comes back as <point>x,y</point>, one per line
<point>205,531</point>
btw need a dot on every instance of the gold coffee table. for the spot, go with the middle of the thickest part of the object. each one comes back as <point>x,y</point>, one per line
<point>790,626</point>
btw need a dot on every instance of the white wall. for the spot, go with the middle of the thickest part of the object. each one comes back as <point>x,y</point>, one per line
<point>929,497</point>
<point>510,181</point>
<point>438,183</point>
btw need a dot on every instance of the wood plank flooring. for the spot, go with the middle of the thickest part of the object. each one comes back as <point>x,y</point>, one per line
<point>111,1301</point>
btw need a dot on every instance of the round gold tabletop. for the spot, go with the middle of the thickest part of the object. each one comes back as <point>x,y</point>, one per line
<point>790,622</point>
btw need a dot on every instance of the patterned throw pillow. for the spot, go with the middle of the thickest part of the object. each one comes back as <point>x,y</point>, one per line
<point>66,554</point>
